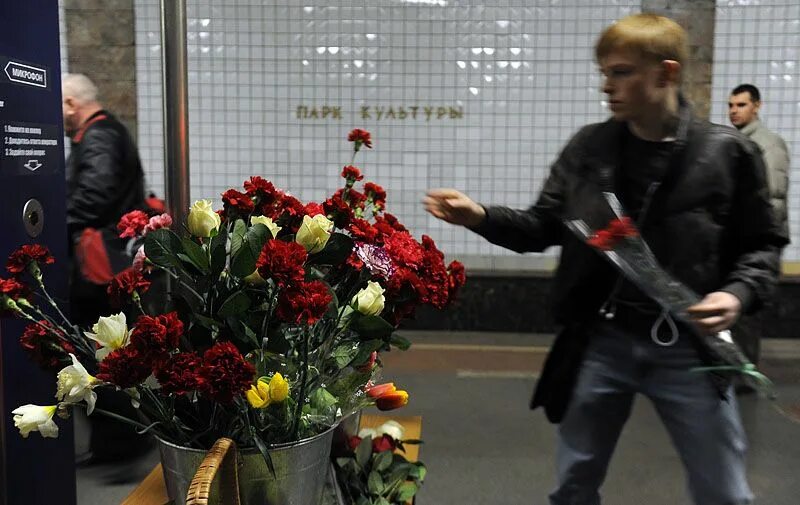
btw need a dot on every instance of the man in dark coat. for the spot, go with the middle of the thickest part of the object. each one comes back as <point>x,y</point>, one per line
<point>698,194</point>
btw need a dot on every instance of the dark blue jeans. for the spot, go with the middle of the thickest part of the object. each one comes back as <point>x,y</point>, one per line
<point>705,429</point>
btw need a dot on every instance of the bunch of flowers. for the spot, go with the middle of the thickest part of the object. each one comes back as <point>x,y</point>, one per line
<point>374,471</point>
<point>276,314</point>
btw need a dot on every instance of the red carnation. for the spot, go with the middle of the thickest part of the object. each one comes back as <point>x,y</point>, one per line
<point>158,222</point>
<point>376,193</point>
<point>125,284</point>
<point>225,372</point>
<point>362,231</point>
<point>352,174</point>
<point>262,189</point>
<point>154,337</point>
<point>237,201</point>
<point>456,278</point>
<point>304,303</point>
<point>360,137</point>
<point>124,367</point>
<point>132,224</point>
<point>25,255</point>
<point>282,261</point>
<point>12,288</point>
<point>46,346</point>
<point>313,209</point>
<point>622,228</point>
<point>337,208</point>
<point>179,374</point>
<point>404,250</point>
<point>602,240</point>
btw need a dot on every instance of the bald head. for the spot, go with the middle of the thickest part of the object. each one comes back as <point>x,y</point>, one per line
<point>79,101</point>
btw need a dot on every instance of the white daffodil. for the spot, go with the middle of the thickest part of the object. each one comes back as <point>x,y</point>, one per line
<point>30,418</point>
<point>76,385</point>
<point>111,333</point>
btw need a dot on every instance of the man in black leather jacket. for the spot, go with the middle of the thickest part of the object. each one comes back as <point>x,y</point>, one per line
<point>698,194</point>
<point>104,181</point>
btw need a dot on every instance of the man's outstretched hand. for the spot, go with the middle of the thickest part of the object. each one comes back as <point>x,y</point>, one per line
<point>716,312</point>
<point>454,207</point>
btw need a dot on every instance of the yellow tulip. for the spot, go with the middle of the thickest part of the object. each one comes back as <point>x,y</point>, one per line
<point>258,395</point>
<point>278,388</point>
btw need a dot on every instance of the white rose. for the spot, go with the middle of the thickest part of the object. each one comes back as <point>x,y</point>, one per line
<point>111,333</point>
<point>391,428</point>
<point>75,385</point>
<point>314,233</point>
<point>202,219</point>
<point>268,222</point>
<point>30,418</point>
<point>370,300</point>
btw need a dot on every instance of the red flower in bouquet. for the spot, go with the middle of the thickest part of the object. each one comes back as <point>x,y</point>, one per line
<point>352,174</point>
<point>617,230</point>
<point>456,278</point>
<point>404,250</point>
<point>46,346</point>
<point>124,367</point>
<point>282,261</point>
<point>313,209</point>
<point>125,284</point>
<point>263,190</point>
<point>132,224</point>
<point>360,137</point>
<point>387,224</point>
<point>383,443</point>
<point>376,194</point>
<point>363,231</point>
<point>158,222</point>
<point>304,303</point>
<point>225,372</point>
<point>154,337</point>
<point>12,289</point>
<point>622,228</point>
<point>179,374</point>
<point>20,259</point>
<point>338,210</point>
<point>241,203</point>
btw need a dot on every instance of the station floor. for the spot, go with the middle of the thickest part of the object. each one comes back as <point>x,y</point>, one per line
<point>483,446</point>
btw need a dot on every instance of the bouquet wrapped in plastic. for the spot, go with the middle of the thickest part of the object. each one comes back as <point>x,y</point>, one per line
<point>622,245</point>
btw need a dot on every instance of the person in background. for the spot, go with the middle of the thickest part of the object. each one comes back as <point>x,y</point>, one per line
<point>104,181</point>
<point>743,106</point>
<point>698,194</point>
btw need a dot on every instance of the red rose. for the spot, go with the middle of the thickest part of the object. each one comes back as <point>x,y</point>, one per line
<point>383,443</point>
<point>239,202</point>
<point>179,374</point>
<point>360,137</point>
<point>132,224</point>
<point>46,346</point>
<point>125,284</point>
<point>225,372</point>
<point>22,257</point>
<point>352,174</point>
<point>124,367</point>
<point>282,262</point>
<point>304,303</point>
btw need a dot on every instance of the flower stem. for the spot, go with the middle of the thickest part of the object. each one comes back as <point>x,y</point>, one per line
<point>303,385</point>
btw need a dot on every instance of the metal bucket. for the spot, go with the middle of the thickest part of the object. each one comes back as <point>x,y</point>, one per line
<point>300,471</point>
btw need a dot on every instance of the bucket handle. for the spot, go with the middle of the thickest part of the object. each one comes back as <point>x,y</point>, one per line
<point>223,453</point>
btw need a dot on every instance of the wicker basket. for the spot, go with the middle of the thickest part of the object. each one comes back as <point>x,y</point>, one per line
<point>223,453</point>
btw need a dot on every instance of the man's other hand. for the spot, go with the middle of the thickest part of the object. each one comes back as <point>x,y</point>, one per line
<point>454,207</point>
<point>716,312</point>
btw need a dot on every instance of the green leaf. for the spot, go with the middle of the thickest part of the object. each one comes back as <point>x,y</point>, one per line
<point>245,255</point>
<point>237,303</point>
<point>375,483</point>
<point>373,327</point>
<point>401,343</point>
<point>237,236</point>
<point>406,491</point>
<point>382,501</point>
<point>218,252</point>
<point>364,451</point>
<point>196,254</point>
<point>423,471</point>
<point>344,354</point>
<point>382,461</point>
<point>206,322</point>
<point>336,251</point>
<point>162,247</point>
<point>365,349</point>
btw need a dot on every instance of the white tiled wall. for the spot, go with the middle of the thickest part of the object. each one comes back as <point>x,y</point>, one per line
<point>757,42</point>
<point>521,71</point>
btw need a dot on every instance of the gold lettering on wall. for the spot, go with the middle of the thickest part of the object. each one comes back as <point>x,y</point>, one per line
<point>382,112</point>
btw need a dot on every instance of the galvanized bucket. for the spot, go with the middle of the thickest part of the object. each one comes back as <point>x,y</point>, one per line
<point>300,472</point>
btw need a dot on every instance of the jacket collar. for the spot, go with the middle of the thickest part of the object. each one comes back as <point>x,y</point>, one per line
<point>97,116</point>
<point>750,128</point>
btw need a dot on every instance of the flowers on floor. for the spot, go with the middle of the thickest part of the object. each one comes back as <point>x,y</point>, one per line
<point>375,471</point>
<point>273,325</point>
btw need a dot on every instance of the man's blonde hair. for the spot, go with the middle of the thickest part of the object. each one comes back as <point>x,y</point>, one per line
<point>651,36</point>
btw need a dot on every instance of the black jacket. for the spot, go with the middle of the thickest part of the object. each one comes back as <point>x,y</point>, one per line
<point>710,225</point>
<point>104,175</point>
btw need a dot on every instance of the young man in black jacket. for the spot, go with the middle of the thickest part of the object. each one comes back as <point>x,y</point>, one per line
<point>698,193</point>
